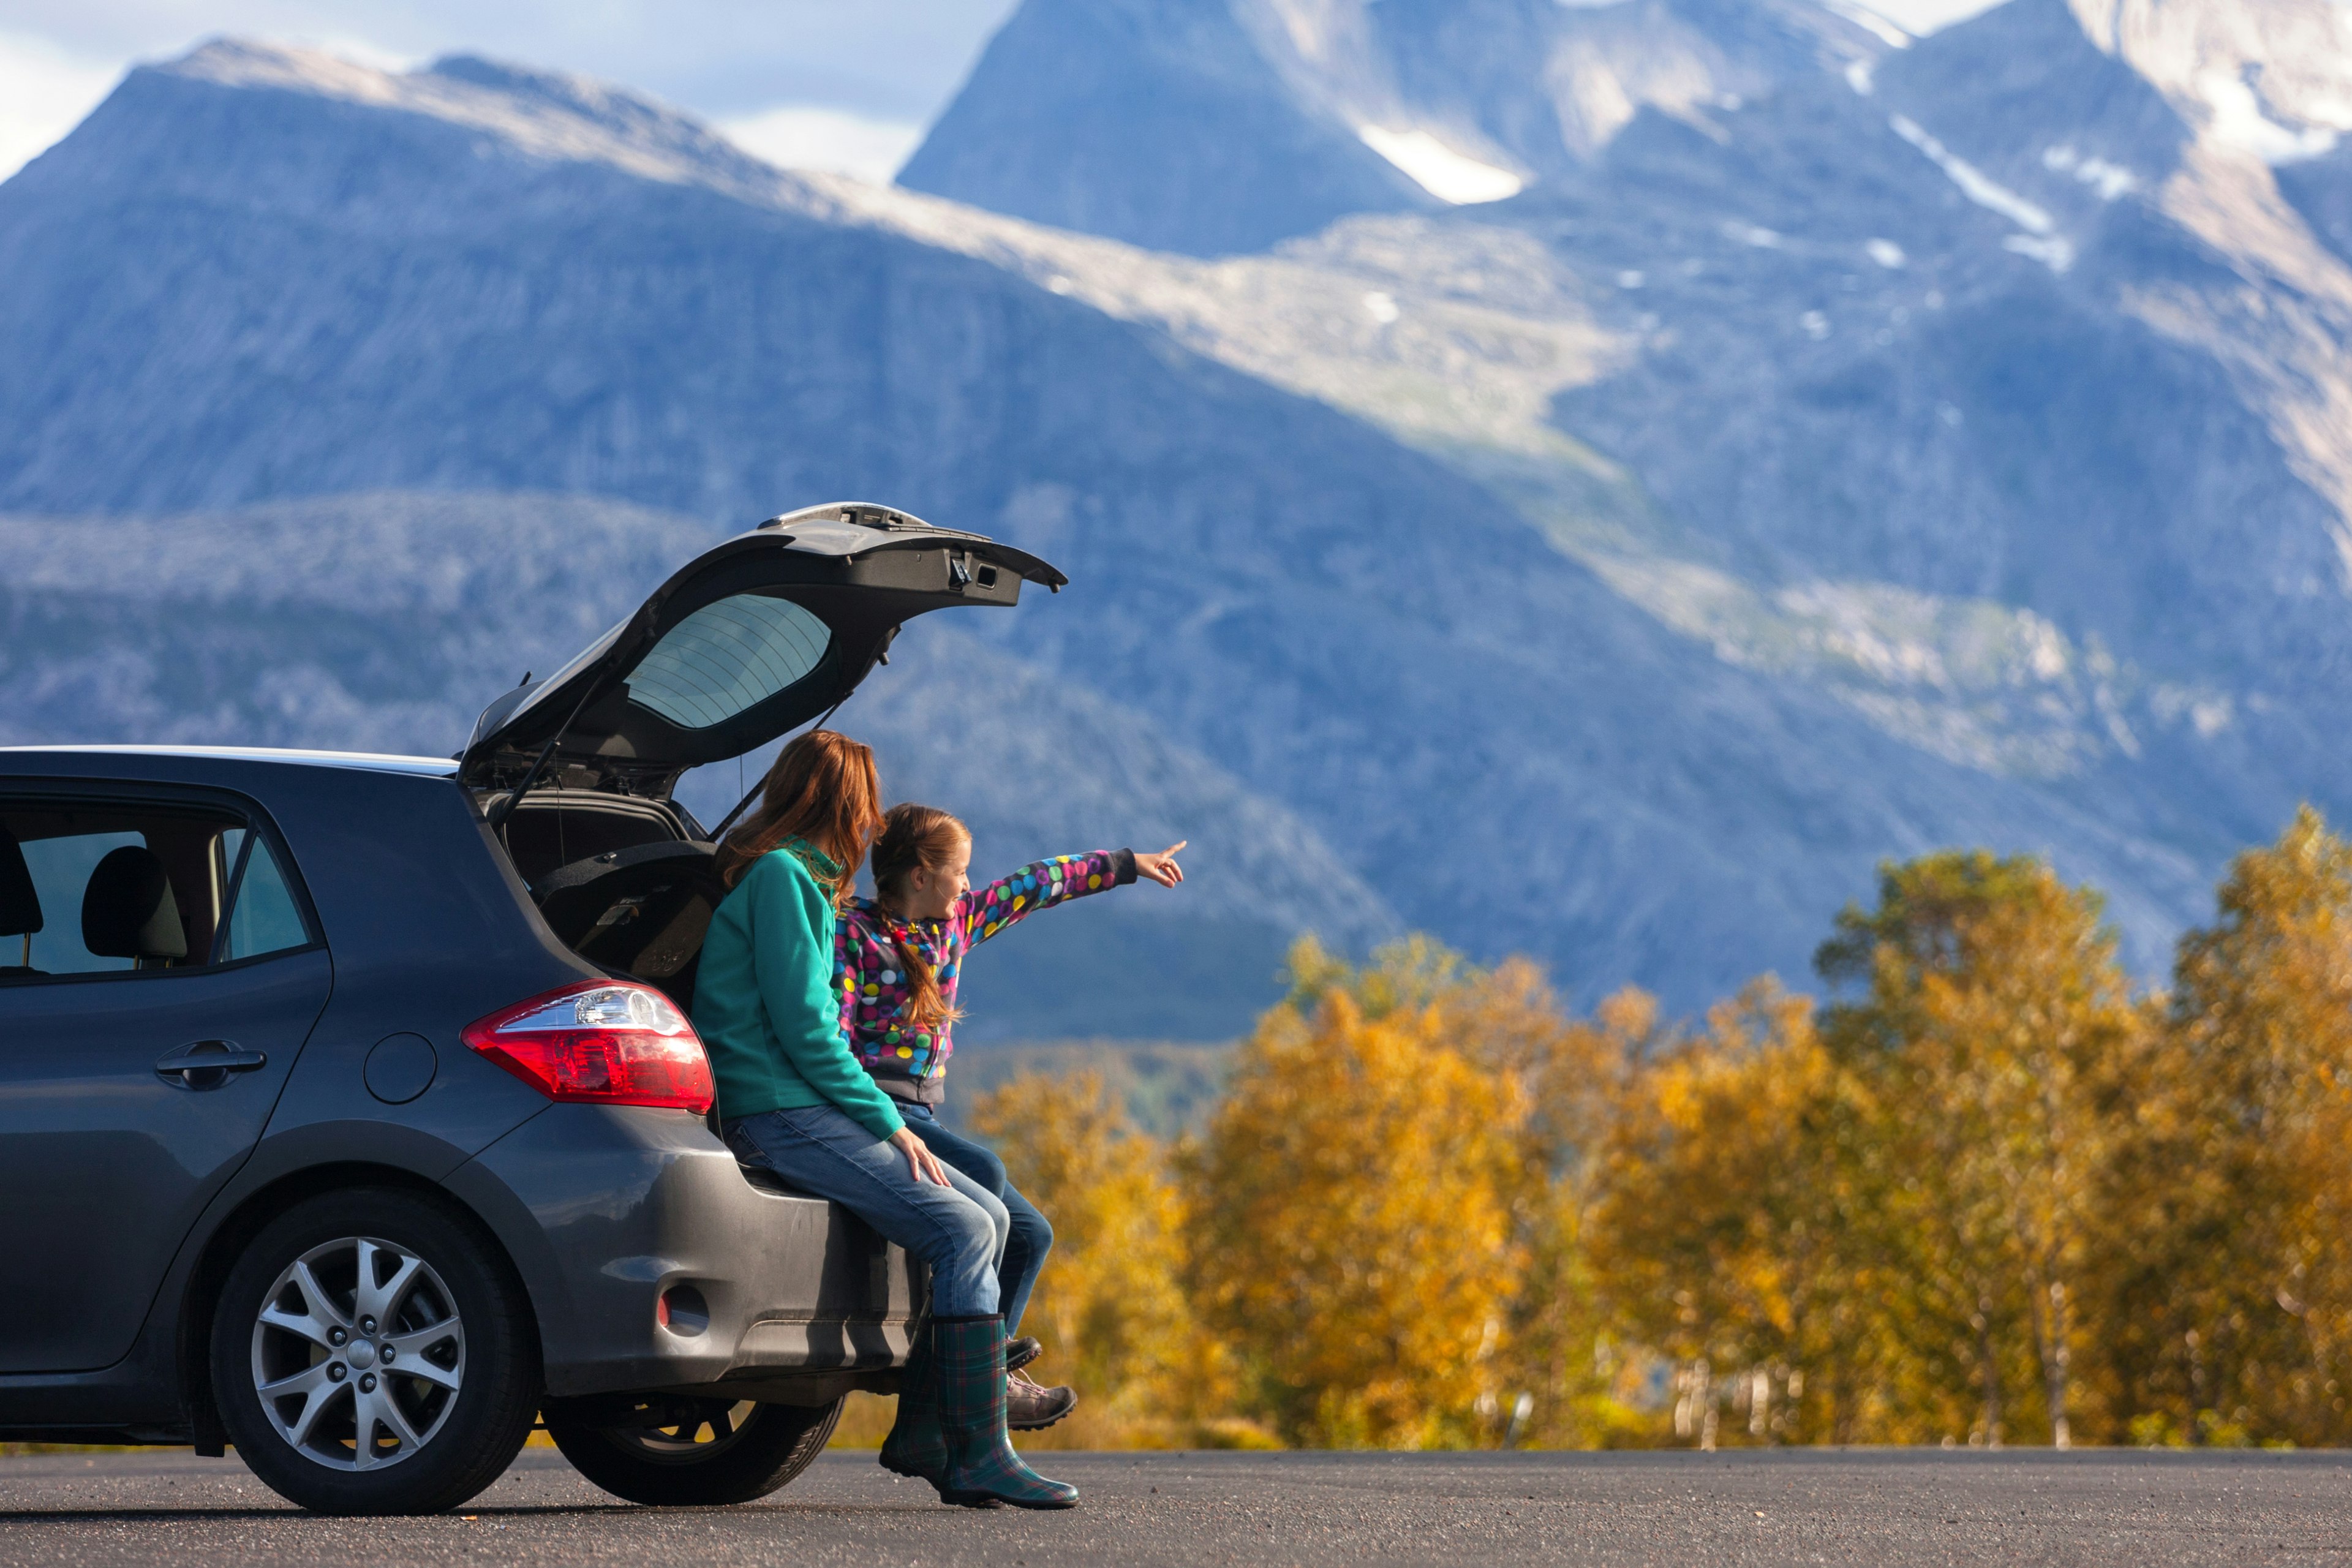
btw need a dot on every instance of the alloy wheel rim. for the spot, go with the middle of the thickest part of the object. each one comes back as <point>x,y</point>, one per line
<point>358,1354</point>
<point>684,1442</point>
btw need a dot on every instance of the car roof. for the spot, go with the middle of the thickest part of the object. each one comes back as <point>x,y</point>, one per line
<point>372,761</point>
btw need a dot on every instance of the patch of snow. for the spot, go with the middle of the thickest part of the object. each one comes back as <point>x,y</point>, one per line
<point>2110,179</point>
<point>1870,21</point>
<point>1973,183</point>
<point>1450,176</point>
<point>1382,308</point>
<point>2052,251</point>
<point>2239,121</point>
<point>1887,254</point>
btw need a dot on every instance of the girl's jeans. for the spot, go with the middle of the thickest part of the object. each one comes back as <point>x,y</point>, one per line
<point>960,1230</point>
<point>1025,1249</point>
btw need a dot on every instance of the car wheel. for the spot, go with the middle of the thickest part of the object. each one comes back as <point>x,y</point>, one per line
<point>711,1453</point>
<point>371,1355</point>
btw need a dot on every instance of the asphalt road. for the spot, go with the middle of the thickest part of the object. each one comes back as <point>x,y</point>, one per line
<point>1858,1507</point>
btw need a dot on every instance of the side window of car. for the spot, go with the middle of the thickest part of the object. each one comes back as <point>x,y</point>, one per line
<point>98,886</point>
<point>263,916</point>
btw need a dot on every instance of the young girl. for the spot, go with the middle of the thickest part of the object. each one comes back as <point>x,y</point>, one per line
<point>897,959</point>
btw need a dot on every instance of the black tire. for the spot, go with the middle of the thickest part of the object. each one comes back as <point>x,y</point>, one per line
<point>443,1424</point>
<point>762,1448</point>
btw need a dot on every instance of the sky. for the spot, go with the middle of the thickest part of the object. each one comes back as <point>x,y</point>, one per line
<point>845,85</point>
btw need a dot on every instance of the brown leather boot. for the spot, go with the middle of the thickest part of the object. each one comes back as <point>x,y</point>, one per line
<point>1020,1353</point>
<point>1031,1408</point>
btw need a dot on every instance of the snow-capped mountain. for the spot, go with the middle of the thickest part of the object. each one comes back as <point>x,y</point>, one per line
<point>1993,384</point>
<point>1882,448</point>
<point>1218,126</point>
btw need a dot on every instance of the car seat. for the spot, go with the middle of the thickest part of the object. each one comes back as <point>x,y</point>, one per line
<point>128,910</point>
<point>20,903</point>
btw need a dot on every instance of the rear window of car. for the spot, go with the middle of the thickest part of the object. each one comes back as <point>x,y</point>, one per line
<point>100,887</point>
<point>727,656</point>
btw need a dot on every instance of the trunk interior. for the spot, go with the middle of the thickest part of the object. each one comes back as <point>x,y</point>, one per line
<point>627,883</point>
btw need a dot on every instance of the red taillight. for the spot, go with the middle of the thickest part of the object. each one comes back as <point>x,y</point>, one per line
<point>606,1041</point>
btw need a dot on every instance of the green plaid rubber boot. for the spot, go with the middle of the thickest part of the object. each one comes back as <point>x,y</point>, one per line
<point>983,1469</point>
<point>917,1445</point>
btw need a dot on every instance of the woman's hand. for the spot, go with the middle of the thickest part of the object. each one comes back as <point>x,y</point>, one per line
<point>1162,868</point>
<point>920,1158</point>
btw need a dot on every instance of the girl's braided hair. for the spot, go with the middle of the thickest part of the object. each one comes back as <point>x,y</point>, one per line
<point>915,835</point>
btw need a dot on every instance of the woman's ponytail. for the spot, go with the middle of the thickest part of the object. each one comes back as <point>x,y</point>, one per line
<point>915,835</point>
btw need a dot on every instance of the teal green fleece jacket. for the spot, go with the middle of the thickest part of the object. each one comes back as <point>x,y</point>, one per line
<point>764,1003</point>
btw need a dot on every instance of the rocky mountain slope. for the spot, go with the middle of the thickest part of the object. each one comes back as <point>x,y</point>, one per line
<point>1992,384</point>
<point>1352,583</point>
<point>1218,126</point>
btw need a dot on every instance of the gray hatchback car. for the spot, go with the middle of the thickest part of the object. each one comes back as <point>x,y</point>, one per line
<point>349,1109</point>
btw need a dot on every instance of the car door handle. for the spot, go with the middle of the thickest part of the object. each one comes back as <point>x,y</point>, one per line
<point>208,1063</point>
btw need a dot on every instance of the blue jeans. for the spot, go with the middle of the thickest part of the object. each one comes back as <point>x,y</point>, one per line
<point>1031,1238</point>
<point>959,1230</point>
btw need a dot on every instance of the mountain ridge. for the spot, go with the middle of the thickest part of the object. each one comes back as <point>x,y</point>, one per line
<point>1334,596</point>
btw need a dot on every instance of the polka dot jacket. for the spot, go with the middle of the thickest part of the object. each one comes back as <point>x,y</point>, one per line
<point>909,1062</point>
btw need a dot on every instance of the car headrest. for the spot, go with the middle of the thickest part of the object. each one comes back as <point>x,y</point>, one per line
<point>127,910</point>
<point>20,902</point>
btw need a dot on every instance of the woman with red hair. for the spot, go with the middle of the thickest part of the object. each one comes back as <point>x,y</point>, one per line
<point>793,1099</point>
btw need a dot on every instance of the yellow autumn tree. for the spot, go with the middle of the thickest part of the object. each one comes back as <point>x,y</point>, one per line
<point>1714,1232</point>
<point>1561,1374</point>
<point>1356,1236</point>
<point>1110,1307</point>
<point>1982,1060</point>
<point>2232,1288</point>
<point>1582,1371</point>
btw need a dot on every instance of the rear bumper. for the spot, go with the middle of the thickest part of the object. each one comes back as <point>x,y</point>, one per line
<point>604,1209</point>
